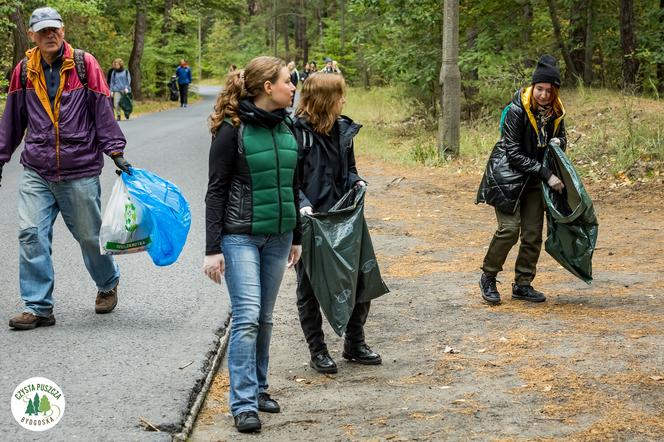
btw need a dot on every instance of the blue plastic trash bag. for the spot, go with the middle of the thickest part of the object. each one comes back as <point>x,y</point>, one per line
<point>168,209</point>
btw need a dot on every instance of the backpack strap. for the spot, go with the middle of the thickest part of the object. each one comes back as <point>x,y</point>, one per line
<point>502,118</point>
<point>24,73</point>
<point>307,140</point>
<point>79,63</point>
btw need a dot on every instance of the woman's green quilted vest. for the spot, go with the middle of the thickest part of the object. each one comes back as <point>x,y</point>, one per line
<point>271,156</point>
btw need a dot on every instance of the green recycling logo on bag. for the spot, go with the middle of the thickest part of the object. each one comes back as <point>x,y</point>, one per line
<point>130,216</point>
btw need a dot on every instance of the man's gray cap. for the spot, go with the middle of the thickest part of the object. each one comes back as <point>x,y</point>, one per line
<point>43,18</point>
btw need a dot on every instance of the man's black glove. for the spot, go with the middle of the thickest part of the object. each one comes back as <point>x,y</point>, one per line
<point>122,164</point>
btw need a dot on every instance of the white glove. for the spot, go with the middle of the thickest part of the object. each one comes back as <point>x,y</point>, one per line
<point>555,141</point>
<point>306,210</point>
<point>555,183</point>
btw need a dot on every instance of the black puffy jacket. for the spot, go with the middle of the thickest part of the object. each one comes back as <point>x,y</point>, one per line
<point>516,159</point>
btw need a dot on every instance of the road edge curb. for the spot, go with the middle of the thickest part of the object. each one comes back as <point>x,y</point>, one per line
<point>200,398</point>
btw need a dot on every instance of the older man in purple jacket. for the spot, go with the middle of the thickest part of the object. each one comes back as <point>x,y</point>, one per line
<point>70,126</point>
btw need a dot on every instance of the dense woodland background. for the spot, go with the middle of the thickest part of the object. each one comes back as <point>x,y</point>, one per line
<point>617,44</point>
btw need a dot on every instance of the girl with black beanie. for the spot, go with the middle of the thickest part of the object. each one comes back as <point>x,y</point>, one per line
<point>513,180</point>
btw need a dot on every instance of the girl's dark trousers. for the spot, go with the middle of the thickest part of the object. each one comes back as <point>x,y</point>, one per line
<point>311,318</point>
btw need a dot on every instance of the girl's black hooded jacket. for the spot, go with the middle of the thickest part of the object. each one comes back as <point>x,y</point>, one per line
<point>326,163</point>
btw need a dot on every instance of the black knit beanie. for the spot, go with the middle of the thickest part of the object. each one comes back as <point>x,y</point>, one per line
<point>546,71</point>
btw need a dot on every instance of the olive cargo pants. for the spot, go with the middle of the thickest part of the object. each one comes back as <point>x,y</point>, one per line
<point>526,223</point>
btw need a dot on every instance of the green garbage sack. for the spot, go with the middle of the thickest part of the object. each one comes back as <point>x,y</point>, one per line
<point>127,104</point>
<point>571,222</point>
<point>339,259</point>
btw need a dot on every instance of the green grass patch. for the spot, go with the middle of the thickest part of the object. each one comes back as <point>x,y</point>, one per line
<point>610,134</point>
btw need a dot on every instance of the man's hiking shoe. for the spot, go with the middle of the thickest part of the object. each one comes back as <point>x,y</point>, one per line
<point>527,293</point>
<point>247,422</point>
<point>106,301</point>
<point>361,353</point>
<point>490,293</point>
<point>28,321</point>
<point>266,404</point>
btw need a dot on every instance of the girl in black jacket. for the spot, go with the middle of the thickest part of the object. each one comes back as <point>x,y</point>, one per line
<point>327,171</point>
<point>512,182</point>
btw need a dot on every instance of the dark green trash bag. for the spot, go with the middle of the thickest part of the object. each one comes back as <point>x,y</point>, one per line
<point>571,222</point>
<point>127,104</point>
<point>339,259</point>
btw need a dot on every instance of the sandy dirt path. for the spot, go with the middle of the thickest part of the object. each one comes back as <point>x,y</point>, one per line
<point>586,365</point>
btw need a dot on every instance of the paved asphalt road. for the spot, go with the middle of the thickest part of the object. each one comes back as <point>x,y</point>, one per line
<point>116,368</point>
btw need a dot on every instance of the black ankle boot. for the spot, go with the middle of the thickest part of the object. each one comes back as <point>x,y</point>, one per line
<point>527,293</point>
<point>361,353</point>
<point>323,363</point>
<point>490,293</point>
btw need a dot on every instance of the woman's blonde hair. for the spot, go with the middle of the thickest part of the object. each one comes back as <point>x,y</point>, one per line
<point>246,83</point>
<point>119,62</point>
<point>320,100</point>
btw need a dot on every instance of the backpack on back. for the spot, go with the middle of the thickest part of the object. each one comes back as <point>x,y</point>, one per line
<point>79,63</point>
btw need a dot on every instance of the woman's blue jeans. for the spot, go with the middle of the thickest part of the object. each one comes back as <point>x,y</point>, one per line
<point>39,202</point>
<point>255,266</point>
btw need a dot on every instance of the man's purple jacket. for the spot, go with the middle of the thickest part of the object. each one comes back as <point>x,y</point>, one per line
<point>69,141</point>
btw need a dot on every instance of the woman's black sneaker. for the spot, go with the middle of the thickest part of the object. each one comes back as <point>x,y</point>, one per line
<point>247,422</point>
<point>489,291</point>
<point>527,293</point>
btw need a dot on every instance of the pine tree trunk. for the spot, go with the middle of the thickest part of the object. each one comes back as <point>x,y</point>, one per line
<point>286,40</point>
<point>20,33</point>
<point>274,28</point>
<point>470,86</point>
<point>628,43</point>
<point>303,30</point>
<point>577,37</point>
<point>526,32</point>
<point>450,83</point>
<point>555,21</point>
<point>660,66</point>
<point>165,64</point>
<point>140,28</point>
<point>342,27</point>
<point>588,57</point>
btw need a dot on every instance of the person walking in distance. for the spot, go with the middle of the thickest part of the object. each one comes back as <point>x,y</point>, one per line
<point>59,94</point>
<point>120,85</point>
<point>252,221</point>
<point>183,74</point>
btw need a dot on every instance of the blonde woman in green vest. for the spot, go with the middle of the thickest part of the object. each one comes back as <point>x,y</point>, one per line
<point>252,221</point>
